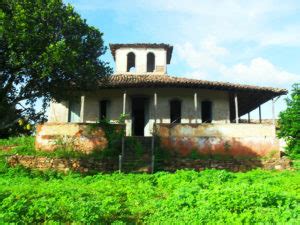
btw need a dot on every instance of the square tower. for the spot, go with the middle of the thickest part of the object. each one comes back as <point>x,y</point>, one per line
<point>141,58</point>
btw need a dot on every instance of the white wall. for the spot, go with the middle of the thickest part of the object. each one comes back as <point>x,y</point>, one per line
<point>140,59</point>
<point>58,112</point>
<point>220,104</point>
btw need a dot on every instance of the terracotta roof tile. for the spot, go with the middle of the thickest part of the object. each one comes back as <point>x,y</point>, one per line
<point>153,80</point>
<point>249,97</point>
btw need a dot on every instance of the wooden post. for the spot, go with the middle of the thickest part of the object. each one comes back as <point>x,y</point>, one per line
<point>120,163</point>
<point>273,111</point>
<point>195,106</point>
<point>236,108</point>
<point>249,119</point>
<point>259,111</point>
<point>123,145</point>
<point>82,99</point>
<point>152,164</point>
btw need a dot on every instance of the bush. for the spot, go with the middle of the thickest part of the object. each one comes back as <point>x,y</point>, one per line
<point>289,123</point>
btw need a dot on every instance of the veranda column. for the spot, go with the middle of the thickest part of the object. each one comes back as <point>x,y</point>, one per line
<point>154,124</point>
<point>124,112</point>
<point>155,107</point>
<point>195,106</point>
<point>82,100</point>
<point>259,111</point>
<point>249,119</point>
<point>236,108</point>
<point>124,103</point>
<point>273,111</point>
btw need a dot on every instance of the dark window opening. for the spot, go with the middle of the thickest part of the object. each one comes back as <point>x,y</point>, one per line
<point>138,115</point>
<point>206,111</point>
<point>150,62</point>
<point>175,111</point>
<point>130,62</point>
<point>103,109</point>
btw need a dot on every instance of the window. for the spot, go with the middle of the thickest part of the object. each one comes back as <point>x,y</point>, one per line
<point>103,105</point>
<point>175,111</point>
<point>74,111</point>
<point>206,111</point>
<point>130,62</point>
<point>150,62</point>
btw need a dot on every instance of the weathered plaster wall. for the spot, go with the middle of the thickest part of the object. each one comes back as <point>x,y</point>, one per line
<point>220,101</point>
<point>50,136</point>
<point>58,111</point>
<point>141,59</point>
<point>238,140</point>
<point>217,130</point>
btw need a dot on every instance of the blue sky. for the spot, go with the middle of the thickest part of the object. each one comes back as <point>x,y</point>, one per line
<point>248,42</point>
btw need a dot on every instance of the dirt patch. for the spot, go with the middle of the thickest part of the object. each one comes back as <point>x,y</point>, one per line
<point>7,148</point>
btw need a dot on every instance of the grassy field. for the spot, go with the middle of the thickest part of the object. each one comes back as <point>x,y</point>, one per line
<point>184,197</point>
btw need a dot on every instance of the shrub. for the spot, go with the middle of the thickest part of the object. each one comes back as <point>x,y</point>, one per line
<point>289,123</point>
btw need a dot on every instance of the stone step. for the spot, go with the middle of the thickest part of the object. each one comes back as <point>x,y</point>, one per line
<point>137,154</point>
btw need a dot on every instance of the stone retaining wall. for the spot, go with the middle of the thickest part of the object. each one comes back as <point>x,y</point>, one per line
<point>63,165</point>
<point>87,165</point>
<point>231,165</point>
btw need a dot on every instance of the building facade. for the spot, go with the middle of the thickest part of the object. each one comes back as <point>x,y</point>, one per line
<point>187,114</point>
<point>142,89</point>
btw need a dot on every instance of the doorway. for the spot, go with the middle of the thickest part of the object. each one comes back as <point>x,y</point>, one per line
<point>138,115</point>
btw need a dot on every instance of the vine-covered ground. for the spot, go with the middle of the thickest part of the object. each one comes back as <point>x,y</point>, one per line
<point>187,197</point>
<point>184,197</point>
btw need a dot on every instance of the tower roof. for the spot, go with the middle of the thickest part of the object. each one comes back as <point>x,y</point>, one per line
<point>167,47</point>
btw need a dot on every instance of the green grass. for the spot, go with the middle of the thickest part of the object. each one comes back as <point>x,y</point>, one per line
<point>296,164</point>
<point>184,197</point>
<point>18,141</point>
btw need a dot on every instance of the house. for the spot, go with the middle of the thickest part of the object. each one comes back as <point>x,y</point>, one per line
<point>187,113</point>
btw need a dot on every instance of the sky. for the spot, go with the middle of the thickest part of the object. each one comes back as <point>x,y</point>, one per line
<point>248,42</point>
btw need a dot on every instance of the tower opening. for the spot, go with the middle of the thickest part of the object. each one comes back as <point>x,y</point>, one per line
<point>130,62</point>
<point>150,62</point>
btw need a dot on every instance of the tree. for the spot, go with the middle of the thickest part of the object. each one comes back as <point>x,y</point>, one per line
<point>289,122</point>
<point>47,51</point>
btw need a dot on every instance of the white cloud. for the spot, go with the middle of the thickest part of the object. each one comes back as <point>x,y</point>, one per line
<point>204,57</point>
<point>258,71</point>
<point>260,21</point>
<point>200,27</point>
<point>287,36</point>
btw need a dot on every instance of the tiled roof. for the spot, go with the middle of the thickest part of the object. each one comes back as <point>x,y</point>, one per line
<point>153,80</point>
<point>169,48</point>
<point>249,97</point>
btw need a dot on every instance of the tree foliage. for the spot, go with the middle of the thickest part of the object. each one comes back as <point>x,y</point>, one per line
<point>289,122</point>
<point>47,51</point>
